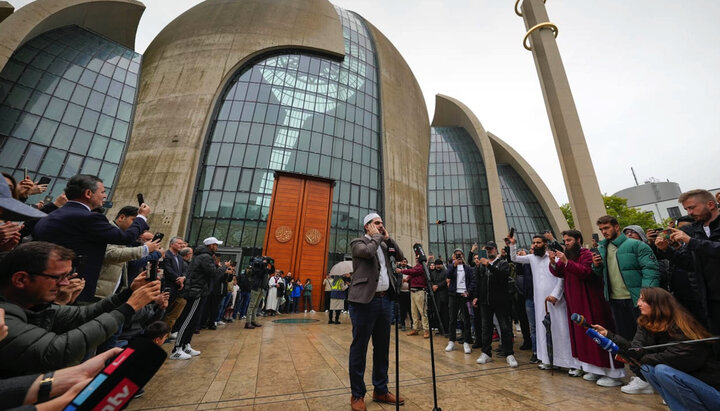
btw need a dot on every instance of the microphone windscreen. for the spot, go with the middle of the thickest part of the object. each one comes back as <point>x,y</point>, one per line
<point>113,388</point>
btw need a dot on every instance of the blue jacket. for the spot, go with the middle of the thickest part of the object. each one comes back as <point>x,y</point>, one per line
<point>297,291</point>
<point>86,233</point>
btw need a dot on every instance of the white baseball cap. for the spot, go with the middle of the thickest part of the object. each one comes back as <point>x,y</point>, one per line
<point>212,240</point>
<point>368,218</point>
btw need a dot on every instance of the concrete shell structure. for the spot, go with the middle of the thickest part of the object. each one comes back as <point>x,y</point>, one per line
<point>68,79</point>
<point>116,20</point>
<point>187,68</point>
<point>345,107</point>
<point>498,159</point>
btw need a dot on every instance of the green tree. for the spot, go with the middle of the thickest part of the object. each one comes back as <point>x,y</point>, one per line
<point>618,208</point>
<point>567,212</point>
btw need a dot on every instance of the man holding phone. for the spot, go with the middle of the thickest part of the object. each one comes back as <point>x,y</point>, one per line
<point>76,227</point>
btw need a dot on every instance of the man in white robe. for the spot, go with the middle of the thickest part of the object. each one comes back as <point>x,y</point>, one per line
<point>547,287</point>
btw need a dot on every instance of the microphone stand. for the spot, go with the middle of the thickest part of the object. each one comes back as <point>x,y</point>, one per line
<point>432,314</point>
<point>396,305</point>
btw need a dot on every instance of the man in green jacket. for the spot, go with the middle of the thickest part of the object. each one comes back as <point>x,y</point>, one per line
<point>43,336</point>
<point>626,266</point>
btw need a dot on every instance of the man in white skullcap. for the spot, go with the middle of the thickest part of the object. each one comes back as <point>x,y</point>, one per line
<point>370,295</point>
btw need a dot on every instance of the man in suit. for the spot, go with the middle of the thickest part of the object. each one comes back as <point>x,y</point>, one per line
<point>76,227</point>
<point>371,289</point>
<point>174,279</point>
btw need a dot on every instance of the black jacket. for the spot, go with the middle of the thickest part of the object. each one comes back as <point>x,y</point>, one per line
<point>694,359</point>
<point>701,259</point>
<point>201,273</point>
<point>491,284</point>
<point>451,273</point>
<point>437,277</point>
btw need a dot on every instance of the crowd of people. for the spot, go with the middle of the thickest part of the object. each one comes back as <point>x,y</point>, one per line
<point>639,287</point>
<point>76,286</point>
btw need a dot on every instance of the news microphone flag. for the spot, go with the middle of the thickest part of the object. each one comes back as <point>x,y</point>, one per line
<point>113,388</point>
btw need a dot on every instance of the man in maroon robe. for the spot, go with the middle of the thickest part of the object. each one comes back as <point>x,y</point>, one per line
<point>584,295</point>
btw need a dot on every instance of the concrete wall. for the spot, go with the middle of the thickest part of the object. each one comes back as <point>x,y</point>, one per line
<point>115,19</point>
<point>450,112</point>
<point>183,74</point>
<point>406,146</point>
<point>505,154</point>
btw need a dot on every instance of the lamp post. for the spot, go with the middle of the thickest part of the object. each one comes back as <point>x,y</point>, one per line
<point>442,223</point>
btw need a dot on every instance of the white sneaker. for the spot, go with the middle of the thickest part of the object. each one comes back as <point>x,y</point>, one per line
<point>189,350</point>
<point>243,317</point>
<point>467,347</point>
<point>512,362</point>
<point>484,359</point>
<point>591,377</point>
<point>326,310</point>
<point>637,386</point>
<point>305,310</point>
<point>450,346</point>
<point>220,323</point>
<point>544,366</point>
<point>609,382</point>
<point>312,311</point>
<point>180,355</point>
<point>574,372</point>
<point>172,336</point>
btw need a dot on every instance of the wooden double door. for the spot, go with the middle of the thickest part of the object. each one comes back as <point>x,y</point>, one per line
<point>298,229</point>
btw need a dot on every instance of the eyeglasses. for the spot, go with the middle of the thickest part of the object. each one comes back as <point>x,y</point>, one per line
<point>57,278</point>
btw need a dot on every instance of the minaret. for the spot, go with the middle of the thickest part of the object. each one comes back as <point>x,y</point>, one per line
<point>577,168</point>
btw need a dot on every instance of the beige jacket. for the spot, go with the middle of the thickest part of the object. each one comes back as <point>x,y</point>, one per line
<point>114,266</point>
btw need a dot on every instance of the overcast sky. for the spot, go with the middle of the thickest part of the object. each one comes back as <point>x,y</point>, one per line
<point>644,75</point>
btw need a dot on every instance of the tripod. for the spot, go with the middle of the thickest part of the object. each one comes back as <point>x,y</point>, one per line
<point>398,283</point>
<point>432,314</point>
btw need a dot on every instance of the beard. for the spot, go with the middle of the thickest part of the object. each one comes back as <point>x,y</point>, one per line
<point>539,251</point>
<point>572,253</point>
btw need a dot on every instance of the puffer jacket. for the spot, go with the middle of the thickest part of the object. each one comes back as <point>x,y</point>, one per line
<point>638,265</point>
<point>50,336</point>
<point>202,273</point>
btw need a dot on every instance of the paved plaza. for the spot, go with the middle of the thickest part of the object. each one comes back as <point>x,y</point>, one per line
<point>304,366</point>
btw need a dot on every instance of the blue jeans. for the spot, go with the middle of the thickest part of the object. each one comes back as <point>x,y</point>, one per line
<point>241,304</point>
<point>530,310</point>
<point>223,306</point>
<point>681,391</point>
<point>370,320</point>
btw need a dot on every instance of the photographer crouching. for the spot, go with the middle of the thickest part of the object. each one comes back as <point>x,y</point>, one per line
<point>685,375</point>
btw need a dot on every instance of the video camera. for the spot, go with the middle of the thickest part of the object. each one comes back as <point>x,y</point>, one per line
<point>264,263</point>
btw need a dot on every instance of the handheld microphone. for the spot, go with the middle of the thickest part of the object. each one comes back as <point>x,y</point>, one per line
<point>579,319</point>
<point>419,252</point>
<point>604,342</point>
<point>114,387</point>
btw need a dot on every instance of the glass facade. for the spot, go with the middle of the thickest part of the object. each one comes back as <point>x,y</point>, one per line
<point>66,104</point>
<point>295,112</point>
<point>457,192</point>
<point>522,209</point>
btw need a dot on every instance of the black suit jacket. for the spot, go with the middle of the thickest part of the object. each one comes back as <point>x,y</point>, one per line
<point>86,233</point>
<point>172,269</point>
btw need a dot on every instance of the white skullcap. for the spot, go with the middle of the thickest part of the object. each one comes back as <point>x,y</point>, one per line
<point>368,218</point>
